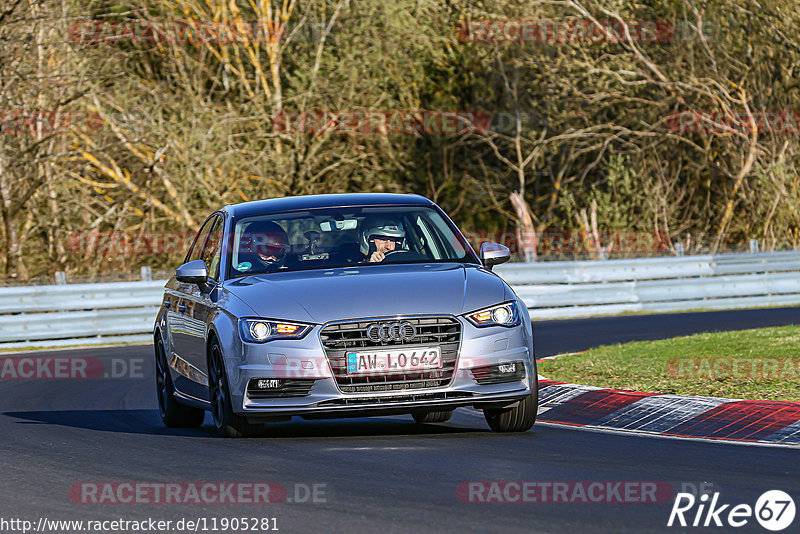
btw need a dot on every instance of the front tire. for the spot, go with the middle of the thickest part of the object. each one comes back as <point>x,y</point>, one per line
<point>173,413</point>
<point>227,423</point>
<point>518,418</point>
<point>432,417</point>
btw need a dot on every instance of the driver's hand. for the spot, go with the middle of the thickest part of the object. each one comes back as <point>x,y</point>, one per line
<point>377,256</point>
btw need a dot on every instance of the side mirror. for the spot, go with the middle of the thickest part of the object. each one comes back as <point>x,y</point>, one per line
<point>193,272</point>
<point>494,254</point>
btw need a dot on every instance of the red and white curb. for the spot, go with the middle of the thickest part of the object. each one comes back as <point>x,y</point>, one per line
<point>773,422</point>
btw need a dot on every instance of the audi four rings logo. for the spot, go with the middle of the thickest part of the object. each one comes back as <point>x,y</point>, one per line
<point>404,331</point>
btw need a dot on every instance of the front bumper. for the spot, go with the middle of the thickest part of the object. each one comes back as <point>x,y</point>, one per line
<point>305,360</point>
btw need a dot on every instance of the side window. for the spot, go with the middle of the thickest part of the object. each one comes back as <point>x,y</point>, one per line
<point>213,249</point>
<point>196,250</point>
<point>430,245</point>
<point>446,240</point>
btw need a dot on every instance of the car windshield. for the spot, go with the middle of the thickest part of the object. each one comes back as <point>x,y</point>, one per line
<point>343,237</point>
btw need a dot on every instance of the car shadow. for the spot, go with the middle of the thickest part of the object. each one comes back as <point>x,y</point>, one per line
<point>149,422</point>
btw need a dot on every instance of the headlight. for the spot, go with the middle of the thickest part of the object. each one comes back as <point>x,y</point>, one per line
<point>263,330</point>
<point>505,314</point>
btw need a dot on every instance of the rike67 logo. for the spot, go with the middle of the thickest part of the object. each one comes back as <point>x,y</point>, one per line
<point>774,510</point>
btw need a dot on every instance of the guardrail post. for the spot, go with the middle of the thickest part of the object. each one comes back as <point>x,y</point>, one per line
<point>679,249</point>
<point>753,246</point>
<point>61,278</point>
<point>147,273</point>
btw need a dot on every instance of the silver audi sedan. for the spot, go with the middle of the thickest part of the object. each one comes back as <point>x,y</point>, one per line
<point>332,306</point>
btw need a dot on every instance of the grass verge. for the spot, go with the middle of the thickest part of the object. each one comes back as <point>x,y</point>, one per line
<point>748,364</point>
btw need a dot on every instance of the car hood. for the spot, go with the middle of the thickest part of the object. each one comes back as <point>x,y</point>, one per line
<point>323,295</point>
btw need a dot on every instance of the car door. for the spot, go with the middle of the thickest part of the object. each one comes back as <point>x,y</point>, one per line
<point>180,308</point>
<point>201,302</point>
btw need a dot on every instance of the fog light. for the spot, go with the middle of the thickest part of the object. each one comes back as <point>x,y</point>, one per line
<point>507,368</point>
<point>269,383</point>
<point>499,373</point>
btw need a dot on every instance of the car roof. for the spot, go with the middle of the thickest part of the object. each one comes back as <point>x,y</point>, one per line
<point>323,201</point>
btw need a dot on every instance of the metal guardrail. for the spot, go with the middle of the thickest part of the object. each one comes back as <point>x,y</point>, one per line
<point>583,288</point>
<point>78,314</point>
<point>86,314</point>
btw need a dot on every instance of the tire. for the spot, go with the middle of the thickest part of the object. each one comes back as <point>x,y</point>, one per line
<point>518,418</point>
<point>173,413</point>
<point>227,423</point>
<point>432,417</point>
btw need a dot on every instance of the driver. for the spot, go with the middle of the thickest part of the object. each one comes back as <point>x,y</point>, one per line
<point>262,248</point>
<point>378,240</point>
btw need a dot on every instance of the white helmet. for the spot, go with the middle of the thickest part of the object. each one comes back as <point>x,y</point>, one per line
<point>388,228</point>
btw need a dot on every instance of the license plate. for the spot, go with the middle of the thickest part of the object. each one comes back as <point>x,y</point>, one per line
<point>393,361</point>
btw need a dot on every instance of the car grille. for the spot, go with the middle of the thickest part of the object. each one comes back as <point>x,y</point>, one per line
<point>290,388</point>
<point>340,338</point>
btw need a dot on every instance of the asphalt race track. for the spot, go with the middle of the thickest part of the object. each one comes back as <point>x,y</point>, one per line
<point>573,335</point>
<point>372,475</point>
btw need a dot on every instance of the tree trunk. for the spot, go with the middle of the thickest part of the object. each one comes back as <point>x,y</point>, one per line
<point>526,233</point>
<point>12,252</point>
